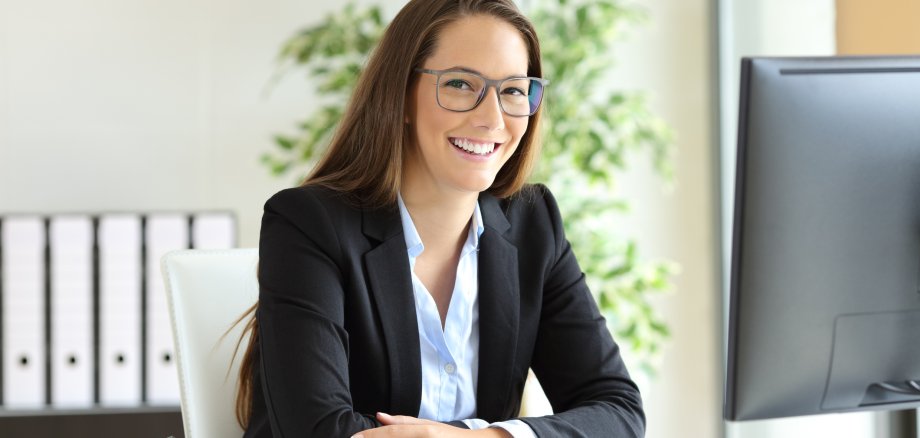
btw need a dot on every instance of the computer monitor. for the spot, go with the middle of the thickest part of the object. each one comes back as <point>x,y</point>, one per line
<point>825,266</point>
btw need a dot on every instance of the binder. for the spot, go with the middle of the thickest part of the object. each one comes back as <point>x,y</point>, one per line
<point>213,231</point>
<point>164,233</point>
<point>71,268</point>
<point>120,280</point>
<point>23,321</point>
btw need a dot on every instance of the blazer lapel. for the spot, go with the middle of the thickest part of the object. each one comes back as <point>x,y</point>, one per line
<point>390,283</point>
<point>499,312</point>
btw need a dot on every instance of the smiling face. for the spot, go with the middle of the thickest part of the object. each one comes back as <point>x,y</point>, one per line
<point>461,152</point>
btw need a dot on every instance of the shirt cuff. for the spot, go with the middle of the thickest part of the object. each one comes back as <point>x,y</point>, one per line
<point>476,423</point>
<point>517,428</point>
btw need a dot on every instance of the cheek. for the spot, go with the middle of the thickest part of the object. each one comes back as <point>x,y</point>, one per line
<point>421,115</point>
<point>517,128</point>
<point>425,99</point>
<point>429,128</point>
<point>429,117</point>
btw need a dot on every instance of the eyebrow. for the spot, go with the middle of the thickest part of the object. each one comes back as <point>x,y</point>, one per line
<point>470,70</point>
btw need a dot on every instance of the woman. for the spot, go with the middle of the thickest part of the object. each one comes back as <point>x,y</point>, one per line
<point>410,283</point>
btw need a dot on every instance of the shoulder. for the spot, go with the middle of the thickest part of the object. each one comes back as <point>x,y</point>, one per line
<point>533,206</point>
<point>310,195</point>
<point>533,219</point>
<point>310,201</point>
<point>312,210</point>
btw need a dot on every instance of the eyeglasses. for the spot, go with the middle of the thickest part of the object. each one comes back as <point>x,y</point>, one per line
<point>461,91</point>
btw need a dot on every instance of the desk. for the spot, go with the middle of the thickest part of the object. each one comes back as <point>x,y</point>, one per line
<point>152,422</point>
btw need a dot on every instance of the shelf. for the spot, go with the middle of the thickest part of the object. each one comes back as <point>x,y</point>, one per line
<point>139,422</point>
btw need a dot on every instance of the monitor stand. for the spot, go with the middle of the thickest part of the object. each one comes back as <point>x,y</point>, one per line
<point>902,424</point>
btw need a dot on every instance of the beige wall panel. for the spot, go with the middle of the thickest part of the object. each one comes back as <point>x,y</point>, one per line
<point>878,27</point>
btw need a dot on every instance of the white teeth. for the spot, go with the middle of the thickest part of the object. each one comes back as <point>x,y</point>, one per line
<point>476,148</point>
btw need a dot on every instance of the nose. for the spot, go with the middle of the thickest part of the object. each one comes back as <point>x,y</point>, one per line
<point>489,113</point>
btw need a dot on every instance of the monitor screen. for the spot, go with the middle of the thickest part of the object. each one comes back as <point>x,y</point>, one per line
<point>824,311</point>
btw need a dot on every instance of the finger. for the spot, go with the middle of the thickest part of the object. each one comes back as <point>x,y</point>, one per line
<point>388,419</point>
<point>385,419</point>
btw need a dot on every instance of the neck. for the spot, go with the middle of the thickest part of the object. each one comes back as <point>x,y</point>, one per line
<point>442,219</point>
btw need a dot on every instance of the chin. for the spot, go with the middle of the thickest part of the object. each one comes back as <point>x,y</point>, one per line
<point>475,186</point>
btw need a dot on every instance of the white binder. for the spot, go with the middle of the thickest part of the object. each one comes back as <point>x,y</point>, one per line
<point>23,340</point>
<point>72,366</point>
<point>164,233</point>
<point>120,310</point>
<point>213,231</point>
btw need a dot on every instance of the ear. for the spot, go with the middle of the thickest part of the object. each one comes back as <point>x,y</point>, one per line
<point>409,105</point>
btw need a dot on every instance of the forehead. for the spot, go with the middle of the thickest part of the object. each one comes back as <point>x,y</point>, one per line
<point>483,43</point>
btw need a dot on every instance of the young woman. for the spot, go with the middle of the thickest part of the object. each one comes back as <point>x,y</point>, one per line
<point>413,279</point>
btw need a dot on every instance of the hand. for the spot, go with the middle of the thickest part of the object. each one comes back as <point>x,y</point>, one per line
<point>404,426</point>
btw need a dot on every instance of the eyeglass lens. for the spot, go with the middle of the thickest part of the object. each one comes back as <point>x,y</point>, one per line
<point>460,91</point>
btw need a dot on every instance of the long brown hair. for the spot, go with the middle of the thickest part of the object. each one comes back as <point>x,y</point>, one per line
<point>365,157</point>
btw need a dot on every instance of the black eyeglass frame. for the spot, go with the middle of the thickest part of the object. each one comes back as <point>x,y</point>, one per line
<point>489,83</point>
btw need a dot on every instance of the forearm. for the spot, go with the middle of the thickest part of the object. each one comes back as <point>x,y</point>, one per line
<point>402,426</point>
<point>289,392</point>
<point>491,432</point>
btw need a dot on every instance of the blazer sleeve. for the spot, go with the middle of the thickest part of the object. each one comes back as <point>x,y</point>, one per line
<point>304,346</point>
<point>576,359</point>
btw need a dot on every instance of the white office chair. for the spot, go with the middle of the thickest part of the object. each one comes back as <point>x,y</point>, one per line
<point>207,291</point>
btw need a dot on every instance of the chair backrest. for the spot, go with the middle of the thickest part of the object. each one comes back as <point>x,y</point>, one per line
<point>207,291</point>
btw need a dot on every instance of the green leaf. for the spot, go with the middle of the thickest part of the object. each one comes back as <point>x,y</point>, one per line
<point>284,142</point>
<point>581,14</point>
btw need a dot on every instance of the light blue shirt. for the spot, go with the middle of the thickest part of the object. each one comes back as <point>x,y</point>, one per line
<point>450,365</point>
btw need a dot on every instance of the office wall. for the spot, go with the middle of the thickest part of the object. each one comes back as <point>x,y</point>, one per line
<point>878,27</point>
<point>672,58</point>
<point>147,105</point>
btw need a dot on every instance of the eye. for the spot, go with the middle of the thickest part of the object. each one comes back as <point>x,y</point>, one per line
<point>458,84</point>
<point>514,91</point>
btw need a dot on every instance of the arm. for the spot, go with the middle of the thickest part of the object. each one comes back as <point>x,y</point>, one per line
<point>410,427</point>
<point>578,363</point>
<point>304,355</point>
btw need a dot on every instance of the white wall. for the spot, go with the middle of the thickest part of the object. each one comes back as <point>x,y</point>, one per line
<point>145,105</point>
<point>671,57</point>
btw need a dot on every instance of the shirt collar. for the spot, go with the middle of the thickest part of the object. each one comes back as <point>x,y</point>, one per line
<point>413,241</point>
<point>476,229</point>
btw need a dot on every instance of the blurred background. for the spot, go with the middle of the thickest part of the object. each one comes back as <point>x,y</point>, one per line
<point>142,105</point>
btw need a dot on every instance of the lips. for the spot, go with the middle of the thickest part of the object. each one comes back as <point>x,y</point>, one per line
<point>474,147</point>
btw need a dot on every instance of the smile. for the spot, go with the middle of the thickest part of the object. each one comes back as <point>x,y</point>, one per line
<point>473,147</point>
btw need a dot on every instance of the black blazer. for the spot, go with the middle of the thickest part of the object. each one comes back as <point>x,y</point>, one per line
<point>338,337</point>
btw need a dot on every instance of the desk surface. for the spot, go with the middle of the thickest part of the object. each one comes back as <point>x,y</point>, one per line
<point>152,422</point>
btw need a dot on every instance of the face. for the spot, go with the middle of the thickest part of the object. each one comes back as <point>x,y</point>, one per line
<point>451,153</point>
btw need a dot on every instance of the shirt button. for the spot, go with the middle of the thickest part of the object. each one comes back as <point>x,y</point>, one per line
<point>450,368</point>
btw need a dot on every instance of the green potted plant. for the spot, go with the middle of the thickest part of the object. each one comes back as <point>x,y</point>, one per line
<point>590,132</point>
